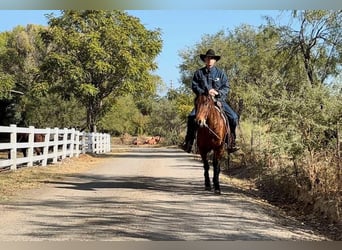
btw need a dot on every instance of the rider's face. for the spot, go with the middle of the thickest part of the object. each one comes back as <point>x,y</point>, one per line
<point>209,61</point>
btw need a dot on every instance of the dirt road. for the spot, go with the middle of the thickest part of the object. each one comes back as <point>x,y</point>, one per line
<point>144,194</point>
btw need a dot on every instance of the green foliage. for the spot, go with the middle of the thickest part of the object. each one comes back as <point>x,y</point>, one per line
<point>52,111</point>
<point>165,121</point>
<point>99,54</point>
<point>21,52</point>
<point>316,44</point>
<point>6,85</point>
<point>182,102</point>
<point>124,117</point>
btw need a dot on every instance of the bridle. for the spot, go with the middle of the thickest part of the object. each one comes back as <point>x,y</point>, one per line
<point>206,116</point>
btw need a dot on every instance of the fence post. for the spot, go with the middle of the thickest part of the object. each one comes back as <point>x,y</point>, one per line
<point>72,142</point>
<point>99,143</point>
<point>95,142</point>
<point>109,143</point>
<point>84,145</point>
<point>64,146</point>
<point>77,143</point>
<point>31,146</point>
<point>46,147</point>
<point>13,150</point>
<point>55,145</point>
<point>91,140</point>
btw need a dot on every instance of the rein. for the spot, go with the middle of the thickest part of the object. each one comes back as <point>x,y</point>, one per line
<point>210,130</point>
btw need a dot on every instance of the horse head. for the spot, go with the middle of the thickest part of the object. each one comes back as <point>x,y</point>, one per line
<point>204,104</point>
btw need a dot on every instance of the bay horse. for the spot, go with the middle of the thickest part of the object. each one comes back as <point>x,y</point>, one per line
<point>37,138</point>
<point>212,132</point>
<point>23,137</point>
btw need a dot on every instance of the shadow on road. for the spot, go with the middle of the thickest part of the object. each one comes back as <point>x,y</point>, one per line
<point>185,212</point>
<point>136,152</point>
<point>150,208</point>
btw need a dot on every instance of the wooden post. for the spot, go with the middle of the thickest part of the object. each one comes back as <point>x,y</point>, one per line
<point>31,146</point>
<point>99,143</point>
<point>55,145</point>
<point>91,142</point>
<point>84,143</point>
<point>108,143</point>
<point>13,150</point>
<point>46,147</point>
<point>77,143</point>
<point>72,142</point>
<point>64,147</point>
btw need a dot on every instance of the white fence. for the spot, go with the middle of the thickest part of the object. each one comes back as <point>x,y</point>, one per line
<point>46,145</point>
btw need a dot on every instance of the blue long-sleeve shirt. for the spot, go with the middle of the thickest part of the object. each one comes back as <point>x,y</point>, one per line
<point>203,81</point>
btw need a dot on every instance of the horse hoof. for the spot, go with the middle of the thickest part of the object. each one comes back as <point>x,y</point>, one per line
<point>217,191</point>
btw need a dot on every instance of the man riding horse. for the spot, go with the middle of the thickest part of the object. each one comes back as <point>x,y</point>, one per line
<point>212,80</point>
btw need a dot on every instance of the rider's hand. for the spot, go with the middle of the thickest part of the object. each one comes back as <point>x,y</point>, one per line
<point>213,92</point>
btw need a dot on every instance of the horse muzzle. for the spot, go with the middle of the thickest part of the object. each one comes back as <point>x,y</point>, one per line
<point>202,123</point>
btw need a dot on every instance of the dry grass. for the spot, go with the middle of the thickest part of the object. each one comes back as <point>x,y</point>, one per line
<point>14,182</point>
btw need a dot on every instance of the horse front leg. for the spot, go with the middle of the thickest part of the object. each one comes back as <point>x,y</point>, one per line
<point>206,171</point>
<point>217,170</point>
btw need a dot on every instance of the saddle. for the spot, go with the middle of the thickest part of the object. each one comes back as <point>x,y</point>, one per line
<point>219,107</point>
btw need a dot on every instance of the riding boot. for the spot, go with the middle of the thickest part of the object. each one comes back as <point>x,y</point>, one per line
<point>190,134</point>
<point>232,145</point>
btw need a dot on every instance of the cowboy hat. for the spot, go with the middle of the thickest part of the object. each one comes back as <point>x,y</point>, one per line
<point>210,53</point>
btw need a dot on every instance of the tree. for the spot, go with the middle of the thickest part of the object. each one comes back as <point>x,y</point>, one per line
<point>50,110</point>
<point>21,53</point>
<point>123,117</point>
<point>97,56</point>
<point>6,80</point>
<point>316,44</point>
<point>165,121</point>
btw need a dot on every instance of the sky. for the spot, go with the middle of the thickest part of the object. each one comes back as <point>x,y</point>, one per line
<point>181,29</point>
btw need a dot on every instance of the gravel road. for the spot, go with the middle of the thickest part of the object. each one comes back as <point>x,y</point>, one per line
<point>144,194</point>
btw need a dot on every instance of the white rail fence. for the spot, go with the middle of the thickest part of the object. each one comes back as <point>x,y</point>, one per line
<point>42,146</point>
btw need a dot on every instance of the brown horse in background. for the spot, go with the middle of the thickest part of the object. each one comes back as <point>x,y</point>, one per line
<point>23,137</point>
<point>211,135</point>
<point>37,138</point>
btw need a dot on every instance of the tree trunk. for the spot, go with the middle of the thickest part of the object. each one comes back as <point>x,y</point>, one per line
<point>91,119</point>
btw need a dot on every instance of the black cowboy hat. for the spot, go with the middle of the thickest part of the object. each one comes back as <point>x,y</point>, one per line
<point>210,53</point>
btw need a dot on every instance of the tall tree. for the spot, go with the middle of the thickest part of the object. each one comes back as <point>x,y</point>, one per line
<point>99,55</point>
<point>315,40</point>
<point>7,81</point>
<point>21,53</point>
